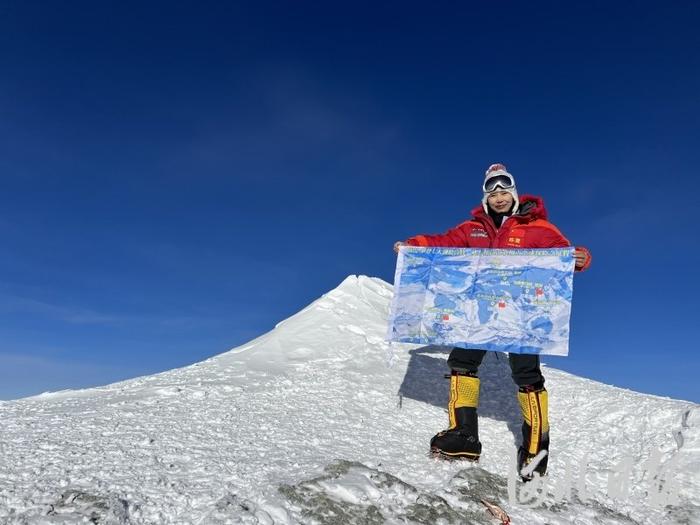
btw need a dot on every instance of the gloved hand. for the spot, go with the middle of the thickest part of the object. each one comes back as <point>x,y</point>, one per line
<point>582,257</point>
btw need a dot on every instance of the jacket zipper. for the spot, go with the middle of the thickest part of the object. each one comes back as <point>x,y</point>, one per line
<point>499,232</point>
<point>496,232</point>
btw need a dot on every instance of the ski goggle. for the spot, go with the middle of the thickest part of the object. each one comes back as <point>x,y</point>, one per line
<point>506,182</point>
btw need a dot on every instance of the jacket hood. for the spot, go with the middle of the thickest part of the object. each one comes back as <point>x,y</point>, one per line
<point>531,207</point>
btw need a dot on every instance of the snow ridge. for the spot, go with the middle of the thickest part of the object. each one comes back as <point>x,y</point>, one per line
<point>322,421</point>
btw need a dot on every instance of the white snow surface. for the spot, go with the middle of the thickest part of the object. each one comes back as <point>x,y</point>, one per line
<point>322,421</point>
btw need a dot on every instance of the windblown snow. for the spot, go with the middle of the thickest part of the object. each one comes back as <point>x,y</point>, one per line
<point>322,421</point>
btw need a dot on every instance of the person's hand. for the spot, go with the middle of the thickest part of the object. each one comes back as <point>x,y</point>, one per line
<point>581,257</point>
<point>397,244</point>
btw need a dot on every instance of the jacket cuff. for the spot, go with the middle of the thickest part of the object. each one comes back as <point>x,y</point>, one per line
<point>418,240</point>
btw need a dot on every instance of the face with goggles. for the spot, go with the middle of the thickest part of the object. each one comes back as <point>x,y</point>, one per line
<point>499,195</point>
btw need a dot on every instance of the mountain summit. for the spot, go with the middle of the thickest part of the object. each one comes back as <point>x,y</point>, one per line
<point>322,421</point>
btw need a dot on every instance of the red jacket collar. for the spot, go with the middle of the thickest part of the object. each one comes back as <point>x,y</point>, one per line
<point>531,208</point>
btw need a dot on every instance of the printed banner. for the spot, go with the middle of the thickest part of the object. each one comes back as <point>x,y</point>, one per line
<point>503,300</point>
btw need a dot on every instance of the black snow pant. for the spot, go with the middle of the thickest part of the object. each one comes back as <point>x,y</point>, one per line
<point>525,368</point>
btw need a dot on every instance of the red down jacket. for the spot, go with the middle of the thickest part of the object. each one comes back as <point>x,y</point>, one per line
<point>528,228</point>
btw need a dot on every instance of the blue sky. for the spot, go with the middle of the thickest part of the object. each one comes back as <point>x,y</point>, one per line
<point>176,178</point>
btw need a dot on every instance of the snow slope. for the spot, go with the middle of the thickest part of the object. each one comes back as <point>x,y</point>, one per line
<point>322,421</point>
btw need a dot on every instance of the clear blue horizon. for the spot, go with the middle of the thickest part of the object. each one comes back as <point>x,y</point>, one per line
<point>178,178</point>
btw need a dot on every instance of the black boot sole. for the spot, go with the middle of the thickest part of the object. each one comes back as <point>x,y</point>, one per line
<point>454,456</point>
<point>540,468</point>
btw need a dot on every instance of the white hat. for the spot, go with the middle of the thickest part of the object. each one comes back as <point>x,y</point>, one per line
<point>497,178</point>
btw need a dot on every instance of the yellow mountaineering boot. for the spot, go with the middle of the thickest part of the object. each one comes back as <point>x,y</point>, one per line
<point>533,454</point>
<point>461,440</point>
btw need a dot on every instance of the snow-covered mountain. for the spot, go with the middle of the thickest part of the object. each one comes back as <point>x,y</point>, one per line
<point>322,421</point>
